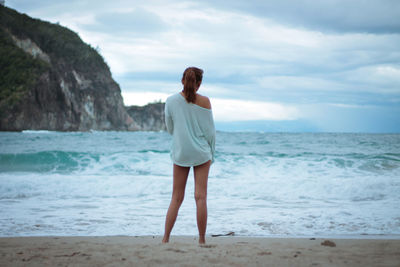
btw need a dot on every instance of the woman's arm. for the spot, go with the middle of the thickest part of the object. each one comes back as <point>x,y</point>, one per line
<point>169,123</point>
<point>211,135</point>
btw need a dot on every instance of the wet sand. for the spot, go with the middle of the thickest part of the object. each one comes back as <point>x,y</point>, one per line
<point>184,251</point>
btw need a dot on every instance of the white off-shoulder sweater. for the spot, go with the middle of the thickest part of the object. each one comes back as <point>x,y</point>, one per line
<point>192,129</point>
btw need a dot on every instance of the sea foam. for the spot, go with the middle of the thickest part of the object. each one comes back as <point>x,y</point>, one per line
<point>261,184</point>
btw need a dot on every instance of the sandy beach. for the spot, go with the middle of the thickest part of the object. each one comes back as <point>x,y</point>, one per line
<point>184,251</point>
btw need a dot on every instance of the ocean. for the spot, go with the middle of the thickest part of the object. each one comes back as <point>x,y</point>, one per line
<point>261,184</point>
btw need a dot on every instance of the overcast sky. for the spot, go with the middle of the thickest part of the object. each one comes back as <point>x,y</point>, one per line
<point>332,64</point>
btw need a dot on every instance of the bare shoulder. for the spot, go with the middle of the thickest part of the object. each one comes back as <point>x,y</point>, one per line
<point>203,101</point>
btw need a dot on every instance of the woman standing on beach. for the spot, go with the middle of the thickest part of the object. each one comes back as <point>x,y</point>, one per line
<point>189,120</point>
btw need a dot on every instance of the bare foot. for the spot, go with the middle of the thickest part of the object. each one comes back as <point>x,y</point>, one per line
<point>165,240</point>
<point>202,240</point>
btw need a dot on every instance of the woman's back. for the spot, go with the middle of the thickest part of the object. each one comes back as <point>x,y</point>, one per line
<point>192,128</point>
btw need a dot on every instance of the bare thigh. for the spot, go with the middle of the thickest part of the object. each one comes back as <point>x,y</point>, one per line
<point>180,178</point>
<point>201,179</point>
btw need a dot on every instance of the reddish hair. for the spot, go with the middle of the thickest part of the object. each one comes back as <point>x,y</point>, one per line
<point>191,80</point>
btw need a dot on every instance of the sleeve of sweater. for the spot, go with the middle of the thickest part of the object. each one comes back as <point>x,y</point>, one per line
<point>169,123</point>
<point>209,132</point>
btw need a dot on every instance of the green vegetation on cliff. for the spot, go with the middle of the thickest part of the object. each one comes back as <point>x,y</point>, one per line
<point>19,71</point>
<point>51,80</point>
<point>54,39</point>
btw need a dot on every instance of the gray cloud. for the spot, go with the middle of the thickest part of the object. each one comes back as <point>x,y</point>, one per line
<point>368,16</point>
<point>140,21</point>
<point>304,52</point>
<point>22,5</point>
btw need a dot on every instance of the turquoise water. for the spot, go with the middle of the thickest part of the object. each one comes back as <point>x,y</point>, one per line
<point>262,184</point>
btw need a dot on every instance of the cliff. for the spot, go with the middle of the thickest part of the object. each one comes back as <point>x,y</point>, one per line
<point>51,80</point>
<point>149,117</point>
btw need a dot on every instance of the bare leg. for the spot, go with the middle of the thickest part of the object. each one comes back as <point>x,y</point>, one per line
<point>200,195</point>
<point>178,192</point>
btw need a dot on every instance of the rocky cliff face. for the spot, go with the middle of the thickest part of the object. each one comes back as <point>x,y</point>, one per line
<point>51,80</point>
<point>149,117</point>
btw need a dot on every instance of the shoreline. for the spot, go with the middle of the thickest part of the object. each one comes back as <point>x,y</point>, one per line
<point>184,251</point>
<point>210,237</point>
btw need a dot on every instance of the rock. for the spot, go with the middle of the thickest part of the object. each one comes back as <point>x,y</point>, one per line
<point>328,243</point>
<point>149,117</point>
<point>52,80</point>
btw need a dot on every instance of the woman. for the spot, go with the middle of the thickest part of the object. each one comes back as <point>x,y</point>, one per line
<point>189,120</point>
